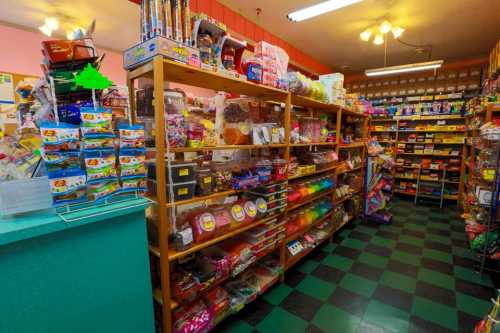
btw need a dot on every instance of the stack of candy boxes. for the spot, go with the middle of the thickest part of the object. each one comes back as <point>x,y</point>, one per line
<point>87,163</point>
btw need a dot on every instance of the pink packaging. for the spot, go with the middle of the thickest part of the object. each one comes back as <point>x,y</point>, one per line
<point>263,48</point>
<point>269,79</point>
<point>269,64</point>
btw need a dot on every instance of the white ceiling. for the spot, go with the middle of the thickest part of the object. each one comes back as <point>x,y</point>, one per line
<point>455,28</point>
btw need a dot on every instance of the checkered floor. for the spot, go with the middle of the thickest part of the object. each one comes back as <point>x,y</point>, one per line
<point>412,276</point>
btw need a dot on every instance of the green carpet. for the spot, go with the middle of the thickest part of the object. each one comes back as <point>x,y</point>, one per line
<point>415,275</point>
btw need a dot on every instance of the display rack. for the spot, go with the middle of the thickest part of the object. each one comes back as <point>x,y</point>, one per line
<point>389,131</point>
<point>160,70</point>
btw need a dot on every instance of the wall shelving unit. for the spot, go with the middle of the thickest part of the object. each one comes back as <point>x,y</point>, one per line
<point>161,70</point>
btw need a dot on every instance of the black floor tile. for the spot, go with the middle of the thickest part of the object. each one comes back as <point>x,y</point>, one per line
<point>466,322</point>
<point>460,243</point>
<point>402,268</point>
<point>337,239</point>
<point>473,289</point>
<point>437,246</point>
<point>419,325</point>
<point>378,250</point>
<point>436,265</point>
<point>328,274</point>
<point>366,271</point>
<point>256,311</point>
<point>409,248</point>
<point>348,301</point>
<point>293,277</point>
<point>387,234</point>
<point>318,255</point>
<point>313,329</point>
<point>464,262</point>
<point>360,236</point>
<point>414,233</point>
<point>347,252</point>
<point>436,294</point>
<point>439,232</point>
<point>394,297</point>
<point>301,305</point>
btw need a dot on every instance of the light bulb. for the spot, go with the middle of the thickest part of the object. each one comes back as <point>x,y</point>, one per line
<point>70,35</point>
<point>397,32</point>
<point>365,35</point>
<point>52,23</point>
<point>45,30</point>
<point>378,40</point>
<point>385,27</point>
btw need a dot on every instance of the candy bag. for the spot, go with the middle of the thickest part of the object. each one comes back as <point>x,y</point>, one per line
<point>96,121</point>
<point>134,183</point>
<point>102,189</point>
<point>132,162</point>
<point>98,141</point>
<point>131,136</point>
<point>100,164</point>
<point>61,160</point>
<point>67,186</point>
<point>59,137</point>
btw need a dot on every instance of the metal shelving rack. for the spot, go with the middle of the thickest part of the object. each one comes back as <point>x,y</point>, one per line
<point>160,70</point>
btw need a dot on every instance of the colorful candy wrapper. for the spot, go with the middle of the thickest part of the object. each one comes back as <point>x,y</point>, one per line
<point>131,136</point>
<point>96,121</point>
<point>100,164</point>
<point>59,137</point>
<point>61,160</point>
<point>98,141</point>
<point>67,186</point>
<point>134,183</point>
<point>103,189</point>
<point>132,162</point>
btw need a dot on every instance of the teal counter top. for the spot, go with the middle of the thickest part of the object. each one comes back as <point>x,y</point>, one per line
<point>14,229</point>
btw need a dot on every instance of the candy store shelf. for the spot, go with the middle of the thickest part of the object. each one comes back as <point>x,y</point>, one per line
<point>425,118</point>
<point>174,254</point>
<point>352,145</point>
<point>350,170</point>
<point>189,75</point>
<point>224,147</point>
<point>347,197</point>
<point>307,201</point>
<point>212,196</point>
<point>157,295</point>
<point>382,120</point>
<point>309,227</point>
<point>313,173</point>
<point>430,154</point>
<point>430,143</point>
<point>432,131</point>
<point>313,144</point>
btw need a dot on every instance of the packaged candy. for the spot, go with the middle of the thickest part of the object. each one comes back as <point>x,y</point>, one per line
<point>250,211</point>
<point>99,141</point>
<point>132,162</point>
<point>134,183</point>
<point>203,224</point>
<point>60,137</point>
<point>238,215</point>
<point>100,164</point>
<point>67,186</point>
<point>131,136</point>
<point>176,130</point>
<point>61,160</point>
<point>102,189</point>
<point>96,121</point>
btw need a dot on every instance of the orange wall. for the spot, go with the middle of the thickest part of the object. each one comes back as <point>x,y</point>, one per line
<point>22,54</point>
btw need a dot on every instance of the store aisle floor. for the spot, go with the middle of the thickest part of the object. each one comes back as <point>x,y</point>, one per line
<point>412,276</point>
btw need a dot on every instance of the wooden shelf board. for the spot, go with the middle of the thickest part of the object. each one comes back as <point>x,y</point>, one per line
<point>212,196</point>
<point>309,227</point>
<point>430,117</point>
<point>224,147</point>
<point>352,145</point>
<point>431,131</point>
<point>313,173</point>
<point>174,255</point>
<point>157,295</point>
<point>313,144</point>
<point>350,170</point>
<point>382,120</point>
<point>429,143</point>
<point>424,154</point>
<point>307,201</point>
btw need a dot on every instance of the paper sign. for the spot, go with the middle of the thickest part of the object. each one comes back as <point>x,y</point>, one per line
<point>7,89</point>
<point>26,195</point>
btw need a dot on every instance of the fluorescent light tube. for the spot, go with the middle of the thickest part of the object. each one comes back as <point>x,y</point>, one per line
<point>319,9</point>
<point>421,66</point>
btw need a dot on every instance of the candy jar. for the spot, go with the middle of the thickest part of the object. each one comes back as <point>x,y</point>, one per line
<point>228,55</point>
<point>205,45</point>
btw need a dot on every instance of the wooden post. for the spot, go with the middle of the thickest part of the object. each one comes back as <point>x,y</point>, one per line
<point>159,107</point>
<point>131,93</point>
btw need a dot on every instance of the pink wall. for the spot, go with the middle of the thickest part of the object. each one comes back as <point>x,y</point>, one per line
<point>23,55</point>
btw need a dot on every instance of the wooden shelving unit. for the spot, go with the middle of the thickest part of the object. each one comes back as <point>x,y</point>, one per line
<point>161,70</point>
<point>398,134</point>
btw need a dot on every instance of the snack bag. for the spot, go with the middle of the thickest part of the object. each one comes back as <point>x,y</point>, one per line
<point>98,141</point>
<point>59,137</point>
<point>67,186</point>
<point>131,136</point>
<point>102,189</point>
<point>134,183</point>
<point>61,160</point>
<point>96,121</point>
<point>132,162</point>
<point>100,164</point>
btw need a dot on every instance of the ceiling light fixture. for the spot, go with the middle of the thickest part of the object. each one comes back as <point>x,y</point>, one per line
<point>385,27</point>
<point>365,35</point>
<point>319,9</point>
<point>52,23</point>
<point>421,66</point>
<point>397,32</point>
<point>45,30</point>
<point>379,39</point>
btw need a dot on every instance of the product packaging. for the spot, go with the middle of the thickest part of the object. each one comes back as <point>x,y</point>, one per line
<point>67,186</point>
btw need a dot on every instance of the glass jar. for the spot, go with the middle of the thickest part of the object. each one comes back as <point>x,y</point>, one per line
<point>205,44</point>
<point>204,180</point>
<point>228,56</point>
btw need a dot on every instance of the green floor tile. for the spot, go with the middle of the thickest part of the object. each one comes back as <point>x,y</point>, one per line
<point>316,288</point>
<point>407,258</point>
<point>437,313</point>
<point>332,319</point>
<point>345,233</point>
<point>458,235</point>
<point>415,227</point>
<point>277,294</point>
<point>373,260</point>
<point>462,252</point>
<point>411,240</point>
<point>353,243</point>
<point>358,285</point>
<point>440,239</point>
<point>391,228</point>
<point>329,247</point>
<point>473,305</point>
<point>472,276</point>
<point>438,255</point>
<point>308,266</point>
<point>336,261</point>
<point>366,230</point>
<point>381,241</point>
<point>387,317</point>
<point>280,320</point>
<point>239,326</point>
<point>399,281</point>
<point>436,278</point>
<point>440,226</point>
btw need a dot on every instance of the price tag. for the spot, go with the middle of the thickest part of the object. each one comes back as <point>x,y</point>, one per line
<point>183,191</point>
<point>184,172</point>
<point>207,180</point>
